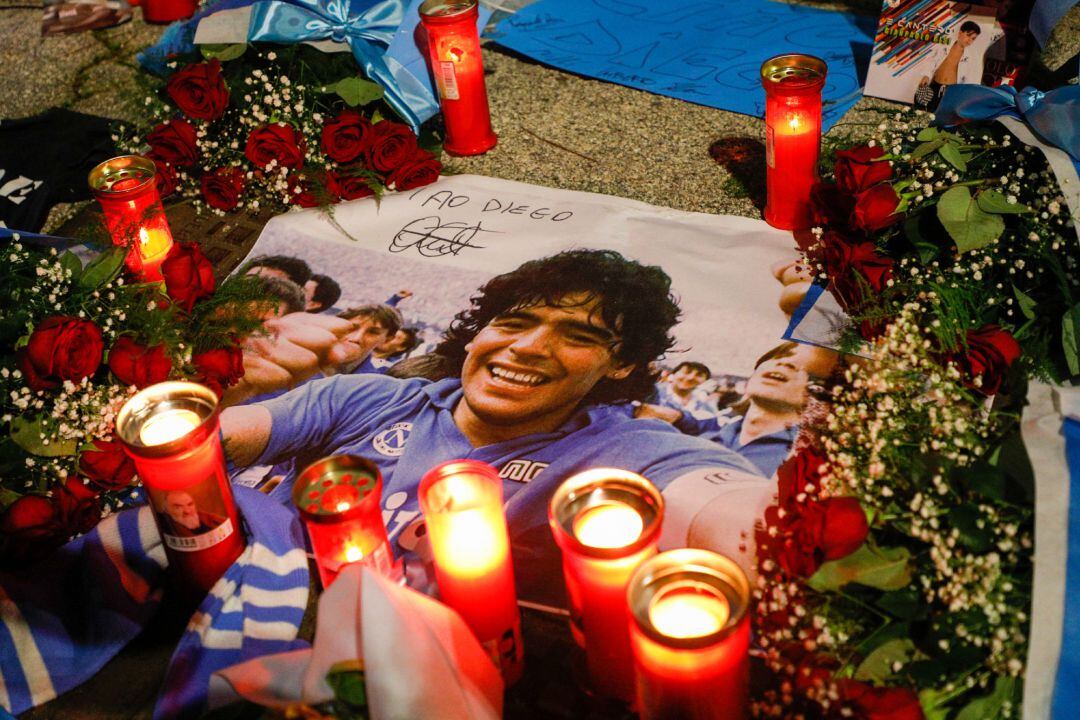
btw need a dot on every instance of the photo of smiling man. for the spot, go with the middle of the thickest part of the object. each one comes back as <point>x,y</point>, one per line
<point>539,373</point>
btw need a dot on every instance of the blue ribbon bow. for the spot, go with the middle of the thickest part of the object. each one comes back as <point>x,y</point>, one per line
<point>368,31</point>
<point>1053,116</point>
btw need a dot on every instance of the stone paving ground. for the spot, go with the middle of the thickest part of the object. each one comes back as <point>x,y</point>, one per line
<point>554,128</point>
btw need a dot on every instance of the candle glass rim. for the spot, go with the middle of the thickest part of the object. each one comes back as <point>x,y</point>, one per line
<point>429,10</point>
<point>684,566</point>
<point>603,486</point>
<point>445,471</point>
<point>142,406</point>
<point>317,470</point>
<point>106,169</point>
<point>811,70</point>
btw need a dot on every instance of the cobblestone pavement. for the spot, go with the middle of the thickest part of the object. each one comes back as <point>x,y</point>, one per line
<point>554,128</point>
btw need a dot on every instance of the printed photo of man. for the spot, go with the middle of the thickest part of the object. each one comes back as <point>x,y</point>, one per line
<point>183,517</point>
<point>680,391</point>
<point>538,376</point>
<point>952,63</point>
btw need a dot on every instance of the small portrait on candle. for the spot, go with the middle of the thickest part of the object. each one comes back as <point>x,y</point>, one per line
<point>188,512</point>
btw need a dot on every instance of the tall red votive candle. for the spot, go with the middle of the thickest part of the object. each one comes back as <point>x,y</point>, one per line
<point>793,86</point>
<point>127,191</point>
<point>170,430</point>
<point>166,11</point>
<point>690,632</point>
<point>607,522</point>
<point>463,511</point>
<point>339,499</point>
<point>456,63</point>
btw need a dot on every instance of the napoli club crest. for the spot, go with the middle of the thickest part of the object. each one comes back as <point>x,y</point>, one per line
<point>391,442</point>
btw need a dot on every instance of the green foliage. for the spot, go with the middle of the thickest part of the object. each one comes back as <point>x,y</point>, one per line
<point>1070,338</point>
<point>969,225</point>
<point>881,568</point>
<point>878,665</point>
<point>355,91</point>
<point>989,707</point>
<point>32,435</point>
<point>223,52</point>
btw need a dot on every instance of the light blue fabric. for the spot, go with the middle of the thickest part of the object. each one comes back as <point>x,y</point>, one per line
<point>367,30</point>
<point>1053,116</point>
<point>60,623</point>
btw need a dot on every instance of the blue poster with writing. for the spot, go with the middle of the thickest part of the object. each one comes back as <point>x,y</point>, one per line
<point>704,51</point>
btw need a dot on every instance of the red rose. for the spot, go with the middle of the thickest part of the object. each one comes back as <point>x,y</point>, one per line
<point>871,330</point>
<point>347,136</point>
<point>220,368</point>
<point>138,365</point>
<point>853,268</point>
<point>829,207</point>
<point>164,176</point>
<point>422,169</point>
<point>199,90</point>
<point>78,506</point>
<point>796,473</point>
<point>844,527</point>
<point>875,208</point>
<point>223,187</point>
<point>61,348</point>
<point>174,142</point>
<point>990,353</point>
<point>392,144</point>
<point>279,142</point>
<point>188,275</point>
<point>29,521</point>
<point>860,168</point>
<point>107,465</point>
<point>799,553</point>
<point>347,187</point>
<point>886,703</point>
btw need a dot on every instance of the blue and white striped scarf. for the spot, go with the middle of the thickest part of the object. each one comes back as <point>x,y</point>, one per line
<point>64,618</point>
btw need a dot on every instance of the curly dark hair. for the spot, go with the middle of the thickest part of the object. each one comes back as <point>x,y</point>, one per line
<point>634,300</point>
<point>296,268</point>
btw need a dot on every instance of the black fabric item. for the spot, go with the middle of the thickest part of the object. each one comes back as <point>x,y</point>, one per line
<point>44,160</point>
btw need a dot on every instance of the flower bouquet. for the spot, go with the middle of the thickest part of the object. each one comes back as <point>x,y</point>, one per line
<point>895,567</point>
<point>248,127</point>
<point>75,342</point>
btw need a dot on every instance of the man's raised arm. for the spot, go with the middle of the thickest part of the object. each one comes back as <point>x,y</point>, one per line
<point>246,430</point>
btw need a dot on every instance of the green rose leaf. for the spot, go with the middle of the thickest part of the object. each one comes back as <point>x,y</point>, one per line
<point>928,133</point>
<point>355,90</point>
<point>926,148</point>
<point>927,249</point>
<point>1027,304</point>
<point>103,269</point>
<point>993,201</point>
<point>70,261</point>
<point>877,666</point>
<point>223,52</point>
<point>1070,338</point>
<point>965,519</point>
<point>989,706</point>
<point>934,703</point>
<point>968,226</point>
<point>903,604</point>
<point>881,568</point>
<point>951,153</point>
<point>27,432</point>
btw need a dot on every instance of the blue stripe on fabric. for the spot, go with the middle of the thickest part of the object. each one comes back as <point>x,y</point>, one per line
<point>12,673</point>
<point>134,553</point>
<point>1067,685</point>
<point>281,613</point>
<point>262,578</point>
<point>804,309</point>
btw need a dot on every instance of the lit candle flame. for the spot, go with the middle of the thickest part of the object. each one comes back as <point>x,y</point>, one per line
<point>168,426</point>
<point>353,554</point>
<point>612,525</point>
<point>793,122</point>
<point>343,506</point>
<point>456,54</point>
<point>689,614</point>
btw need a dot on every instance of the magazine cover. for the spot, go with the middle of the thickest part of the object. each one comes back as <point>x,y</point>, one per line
<point>923,46</point>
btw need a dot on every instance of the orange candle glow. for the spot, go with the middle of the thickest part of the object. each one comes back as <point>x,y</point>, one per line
<point>793,86</point>
<point>462,505</point>
<point>170,430</point>
<point>690,633</point>
<point>456,63</point>
<point>127,191</point>
<point>606,521</point>
<point>339,498</point>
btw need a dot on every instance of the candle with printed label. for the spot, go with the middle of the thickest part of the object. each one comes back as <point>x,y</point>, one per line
<point>456,63</point>
<point>462,505</point>
<point>170,430</point>
<point>690,632</point>
<point>339,497</point>
<point>793,86</point>
<point>607,522</point>
<point>127,191</point>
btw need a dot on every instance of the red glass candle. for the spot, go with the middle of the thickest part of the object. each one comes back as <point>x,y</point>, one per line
<point>454,52</point>
<point>463,511</point>
<point>607,522</point>
<point>793,86</point>
<point>690,632</point>
<point>170,430</point>
<point>339,498</point>
<point>166,11</point>
<point>126,188</point>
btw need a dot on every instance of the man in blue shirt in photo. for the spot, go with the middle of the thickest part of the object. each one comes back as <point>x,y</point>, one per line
<point>537,377</point>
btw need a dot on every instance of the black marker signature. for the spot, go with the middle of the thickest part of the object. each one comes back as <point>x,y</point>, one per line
<point>432,238</point>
